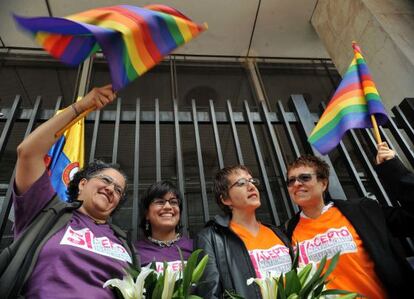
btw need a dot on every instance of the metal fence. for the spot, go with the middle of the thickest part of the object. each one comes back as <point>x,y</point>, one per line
<point>264,138</point>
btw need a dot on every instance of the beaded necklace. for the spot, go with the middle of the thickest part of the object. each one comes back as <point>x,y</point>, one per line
<point>168,243</point>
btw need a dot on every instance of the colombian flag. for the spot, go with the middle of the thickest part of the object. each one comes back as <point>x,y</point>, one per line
<point>66,157</point>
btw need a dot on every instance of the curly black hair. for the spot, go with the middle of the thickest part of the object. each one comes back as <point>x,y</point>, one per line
<point>157,190</point>
<point>88,171</point>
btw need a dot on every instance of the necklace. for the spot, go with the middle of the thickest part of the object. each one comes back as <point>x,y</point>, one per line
<point>168,243</point>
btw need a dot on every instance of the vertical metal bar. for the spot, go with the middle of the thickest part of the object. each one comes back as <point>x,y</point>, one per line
<point>405,147</point>
<point>9,124</point>
<point>180,168</point>
<point>7,202</point>
<point>271,201</point>
<point>157,141</point>
<point>289,206</point>
<point>288,129</point>
<point>305,120</point>
<point>216,135</point>
<point>95,135</point>
<point>200,163</point>
<point>116,131</point>
<point>404,122</point>
<point>135,203</point>
<point>235,135</point>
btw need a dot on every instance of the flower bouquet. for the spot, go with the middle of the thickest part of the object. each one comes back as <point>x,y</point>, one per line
<point>307,282</point>
<point>146,283</point>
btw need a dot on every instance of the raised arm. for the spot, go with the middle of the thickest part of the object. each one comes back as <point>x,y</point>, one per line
<point>30,163</point>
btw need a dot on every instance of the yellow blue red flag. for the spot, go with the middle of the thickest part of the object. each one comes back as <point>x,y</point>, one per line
<point>66,157</point>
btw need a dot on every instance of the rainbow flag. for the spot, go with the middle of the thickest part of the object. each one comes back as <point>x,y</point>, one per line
<point>66,157</point>
<point>352,105</point>
<point>133,39</point>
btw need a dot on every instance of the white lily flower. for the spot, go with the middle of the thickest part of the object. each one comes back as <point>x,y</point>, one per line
<point>125,286</point>
<point>169,283</point>
<point>128,288</point>
<point>139,283</point>
<point>268,286</point>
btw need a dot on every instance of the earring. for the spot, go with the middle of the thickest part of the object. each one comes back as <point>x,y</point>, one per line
<point>147,225</point>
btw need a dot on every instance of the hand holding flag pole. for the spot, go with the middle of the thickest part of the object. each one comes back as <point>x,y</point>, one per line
<point>97,98</point>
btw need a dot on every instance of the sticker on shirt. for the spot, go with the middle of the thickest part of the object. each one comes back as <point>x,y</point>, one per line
<point>274,261</point>
<point>174,266</point>
<point>86,240</point>
<point>329,243</point>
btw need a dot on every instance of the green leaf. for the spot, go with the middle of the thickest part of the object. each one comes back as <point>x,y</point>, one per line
<point>332,265</point>
<point>199,269</point>
<point>337,292</point>
<point>296,258</point>
<point>281,288</point>
<point>159,286</point>
<point>293,285</point>
<point>307,289</point>
<point>293,296</point>
<point>188,270</point>
<point>304,273</point>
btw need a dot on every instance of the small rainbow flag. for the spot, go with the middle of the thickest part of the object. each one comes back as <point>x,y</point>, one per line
<point>352,105</point>
<point>133,39</point>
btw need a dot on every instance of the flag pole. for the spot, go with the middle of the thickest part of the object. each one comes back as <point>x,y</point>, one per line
<point>75,120</point>
<point>375,129</point>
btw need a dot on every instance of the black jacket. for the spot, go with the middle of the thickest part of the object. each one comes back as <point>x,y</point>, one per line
<point>378,226</point>
<point>229,265</point>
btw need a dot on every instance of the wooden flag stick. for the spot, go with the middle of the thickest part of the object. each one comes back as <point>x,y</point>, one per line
<point>75,120</point>
<point>376,130</point>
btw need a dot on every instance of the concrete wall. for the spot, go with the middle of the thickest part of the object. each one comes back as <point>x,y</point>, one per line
<point>384,29</point>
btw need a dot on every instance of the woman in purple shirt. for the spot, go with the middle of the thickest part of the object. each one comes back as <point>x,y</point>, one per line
<point>76,261</point>
<point>161,210</point>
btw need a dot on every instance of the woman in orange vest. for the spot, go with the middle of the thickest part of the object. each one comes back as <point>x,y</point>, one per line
<point>362,230</point>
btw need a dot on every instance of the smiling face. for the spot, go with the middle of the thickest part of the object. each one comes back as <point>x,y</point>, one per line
<point>306,194</point>
<point>242,198</point>
<point>101,193</point>
<point>164,217</point>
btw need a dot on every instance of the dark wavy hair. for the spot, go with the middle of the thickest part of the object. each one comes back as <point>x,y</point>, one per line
<point>157,190</point>
<point>221,184</point>
<point>88,171</point>
<point>320,166</point>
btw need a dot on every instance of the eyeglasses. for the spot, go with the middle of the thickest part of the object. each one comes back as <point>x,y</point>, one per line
<point>174,202</point>
<point>244,182</point>
<point>302,178</point>
<point>107,180</point>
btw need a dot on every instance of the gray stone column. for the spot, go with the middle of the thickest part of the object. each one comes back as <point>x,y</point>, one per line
<point>384,29</point>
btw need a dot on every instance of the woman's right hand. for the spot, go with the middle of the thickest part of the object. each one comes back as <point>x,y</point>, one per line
<point>97,98</point>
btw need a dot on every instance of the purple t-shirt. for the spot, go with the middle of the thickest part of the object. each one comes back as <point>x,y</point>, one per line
<point>77,260</point>
<point>149,252</point>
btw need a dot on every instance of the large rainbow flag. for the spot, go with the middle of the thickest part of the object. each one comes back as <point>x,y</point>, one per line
<point>133,39</point>
<point>66,157</point>
<point>352,105</point>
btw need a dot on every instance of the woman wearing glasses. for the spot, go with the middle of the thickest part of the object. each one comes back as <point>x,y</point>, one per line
<point>363,231</point>
<point>85,250</point>
<point>161,210</point>
<point>238,245</point>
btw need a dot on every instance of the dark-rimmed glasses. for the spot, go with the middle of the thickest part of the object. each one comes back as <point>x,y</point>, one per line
<point>107,180</point>
<point>301,178</point>
<point>244,182</point>
<point>174,202</point>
